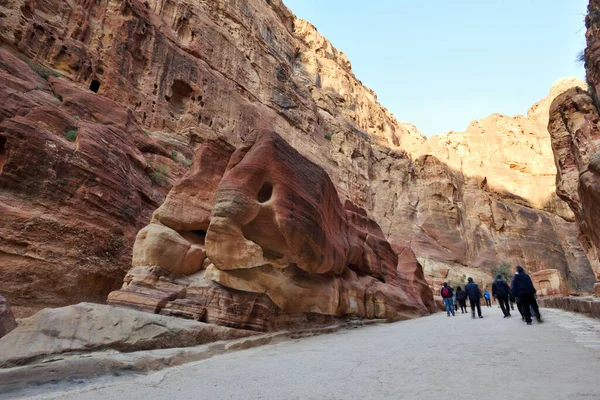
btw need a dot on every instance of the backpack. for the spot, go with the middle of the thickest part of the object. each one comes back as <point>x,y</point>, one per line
<point>446,292</point>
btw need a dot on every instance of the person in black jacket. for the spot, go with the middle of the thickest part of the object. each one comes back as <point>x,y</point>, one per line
<point>474,297</point>
<point>500,291</point>
<point>448,294</point>
<point>461,298</point>
<point>524,291</point>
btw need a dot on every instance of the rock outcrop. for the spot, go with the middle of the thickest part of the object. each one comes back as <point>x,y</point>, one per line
<point>549,282</point>
<point>575,128</point>
<point>269,225</point>
<point>7,319</point>
<point>87,327</point>
<point>112,100</point>
<point>575,133</point>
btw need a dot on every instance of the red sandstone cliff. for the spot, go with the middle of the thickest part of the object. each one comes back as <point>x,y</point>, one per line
<point>87,155</point>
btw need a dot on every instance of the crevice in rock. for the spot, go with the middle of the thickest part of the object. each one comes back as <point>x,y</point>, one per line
<point>3,153</point>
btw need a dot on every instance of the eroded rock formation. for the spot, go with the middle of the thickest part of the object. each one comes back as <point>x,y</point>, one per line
<point>268,223</point>
<point>575,128</point>
<point>549,282</point>
<point>114,98</point>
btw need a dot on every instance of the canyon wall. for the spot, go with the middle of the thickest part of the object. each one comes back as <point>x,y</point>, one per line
<point>106,103</point>
<point>575,128</point>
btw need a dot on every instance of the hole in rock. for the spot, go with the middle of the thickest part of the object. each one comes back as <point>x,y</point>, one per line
<point>3,153</point>
<point>95,86</point>
<point>265,192</point>
<point>181,93</point>
<point>196,237</point>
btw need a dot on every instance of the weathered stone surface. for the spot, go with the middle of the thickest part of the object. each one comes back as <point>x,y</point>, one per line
<point>7,319</point>
<point>584,305</point>
<point>172,75</point>
<point>549,282</point>
<point>575,133</point>
<point>85,327</point>
<point>279,243</point>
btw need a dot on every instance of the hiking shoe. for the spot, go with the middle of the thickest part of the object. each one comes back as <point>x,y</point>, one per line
<point>539,320</point>
<point>528,322</point>
<point>481,316</point>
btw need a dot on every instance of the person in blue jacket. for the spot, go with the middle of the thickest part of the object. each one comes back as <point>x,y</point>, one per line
<point>524,292</point>
<point>486,296</point>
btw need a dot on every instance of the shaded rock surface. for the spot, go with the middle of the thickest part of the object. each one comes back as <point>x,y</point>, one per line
<point>7,319</point>
<point>86,327</point>
<point>142,84</point>
<point>575,128</point>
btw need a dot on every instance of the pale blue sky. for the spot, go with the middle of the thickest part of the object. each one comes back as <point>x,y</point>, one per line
<point>441,64</point>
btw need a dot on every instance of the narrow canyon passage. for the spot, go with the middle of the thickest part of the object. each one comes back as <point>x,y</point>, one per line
<point>427,358</point>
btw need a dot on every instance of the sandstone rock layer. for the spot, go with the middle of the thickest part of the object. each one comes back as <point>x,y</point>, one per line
<point>86,327</point>
<point>277,243</point>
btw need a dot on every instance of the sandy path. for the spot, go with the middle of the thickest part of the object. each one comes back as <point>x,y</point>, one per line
<point>429,358</point>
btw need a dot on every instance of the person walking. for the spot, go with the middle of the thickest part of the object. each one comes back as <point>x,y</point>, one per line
<point>461,298</point>
<point>524,291</point>
<point>447,294</point>
<point>474,295</point>
<point>500,291</point>
<point>486,296</point>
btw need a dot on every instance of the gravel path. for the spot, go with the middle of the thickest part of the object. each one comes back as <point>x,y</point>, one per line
<point>429,358</point>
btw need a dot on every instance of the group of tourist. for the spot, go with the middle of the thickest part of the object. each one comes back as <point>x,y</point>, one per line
<point>521,291</point>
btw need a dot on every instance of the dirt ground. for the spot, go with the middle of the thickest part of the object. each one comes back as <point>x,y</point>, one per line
<point>429,358</point>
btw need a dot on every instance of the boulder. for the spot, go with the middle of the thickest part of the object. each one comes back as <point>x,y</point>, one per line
<point>86,327</point>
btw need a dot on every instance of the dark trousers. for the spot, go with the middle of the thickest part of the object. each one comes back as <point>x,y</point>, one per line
<point>503,301</point>
<point>463,305</point>
<point>520,308</point>
<point>488,302</point>
<point>475,303</point>
<point>528,302</point>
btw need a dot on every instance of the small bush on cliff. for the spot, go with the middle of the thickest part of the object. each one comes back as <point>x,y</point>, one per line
<point>160,175</point>
<point>42,71</point>
<point>71,135</point>
<point>186,162</point>
<point>328,137</point>
<point>503,269</point>
<point>174,155</point>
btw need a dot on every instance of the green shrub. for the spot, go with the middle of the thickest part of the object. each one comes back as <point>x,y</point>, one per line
<point>58,96</point>
<point>328,137</point>
<point>76,117</point>
<point>71,135</point>
<point>186,162</point>
<point>503,269</point>
<point>42,71</point>
<point>174,154</point>
<point>160,175</point>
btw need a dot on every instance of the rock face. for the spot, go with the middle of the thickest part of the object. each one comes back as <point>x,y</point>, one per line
<point>549,282</point>
<point>574,123</point>
<point>86,327</point>
<point>270,226</point>
<point>574,126</point>
<point>115,98</point>
<point>7,319</point>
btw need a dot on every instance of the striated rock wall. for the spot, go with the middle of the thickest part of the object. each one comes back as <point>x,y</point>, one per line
<point>144,84</point>
<point>574,126</point>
